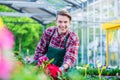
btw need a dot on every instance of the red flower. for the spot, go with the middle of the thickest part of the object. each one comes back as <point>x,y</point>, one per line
<point>53,70</point>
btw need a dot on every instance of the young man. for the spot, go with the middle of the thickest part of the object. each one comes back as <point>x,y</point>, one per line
<point>59,43</point>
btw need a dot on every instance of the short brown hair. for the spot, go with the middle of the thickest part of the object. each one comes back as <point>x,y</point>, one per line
<point>64,13</point>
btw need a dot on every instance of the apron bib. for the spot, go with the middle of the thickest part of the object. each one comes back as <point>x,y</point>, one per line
<point>56,53</point>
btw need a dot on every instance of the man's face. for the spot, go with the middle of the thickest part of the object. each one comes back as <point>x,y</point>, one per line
<point>63,23</point>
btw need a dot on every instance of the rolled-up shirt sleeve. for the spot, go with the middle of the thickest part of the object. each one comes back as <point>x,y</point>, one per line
<point>71,50</point>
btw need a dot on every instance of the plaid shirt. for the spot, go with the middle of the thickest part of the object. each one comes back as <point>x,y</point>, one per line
<point>57,41</point>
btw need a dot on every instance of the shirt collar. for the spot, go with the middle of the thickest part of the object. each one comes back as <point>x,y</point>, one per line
<point>63,34</point>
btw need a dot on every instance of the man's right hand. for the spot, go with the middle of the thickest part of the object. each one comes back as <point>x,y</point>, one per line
<point>42,59</point>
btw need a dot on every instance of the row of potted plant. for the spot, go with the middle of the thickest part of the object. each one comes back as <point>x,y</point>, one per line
<point>105,72</point>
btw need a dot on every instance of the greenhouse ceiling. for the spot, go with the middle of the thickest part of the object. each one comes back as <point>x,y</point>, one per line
<point>43,11</point>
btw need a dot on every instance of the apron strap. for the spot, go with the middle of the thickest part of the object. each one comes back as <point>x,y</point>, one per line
<point>51,37</point>
<point>65,41</point>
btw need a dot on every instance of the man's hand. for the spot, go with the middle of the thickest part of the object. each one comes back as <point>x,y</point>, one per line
<point>42,59</point>
<point>64,67</point>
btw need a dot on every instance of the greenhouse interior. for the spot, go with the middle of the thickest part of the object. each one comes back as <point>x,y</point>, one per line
<point>96,22</point>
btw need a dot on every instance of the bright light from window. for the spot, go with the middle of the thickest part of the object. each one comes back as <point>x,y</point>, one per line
<point>83,0</point>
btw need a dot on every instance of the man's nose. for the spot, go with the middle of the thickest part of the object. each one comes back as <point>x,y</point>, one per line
<point>63,24</point>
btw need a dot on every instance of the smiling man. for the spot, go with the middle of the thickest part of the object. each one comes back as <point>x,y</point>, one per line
<point>58,43</point>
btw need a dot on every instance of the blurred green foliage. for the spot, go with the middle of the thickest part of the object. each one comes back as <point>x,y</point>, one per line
<point>29,72</point>
<point>4,8</point>
<point>27,32</point>
<point>51,24</point>
<point>26,35</point>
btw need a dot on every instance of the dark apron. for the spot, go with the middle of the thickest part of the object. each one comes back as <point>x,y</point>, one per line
<point>56,53</point>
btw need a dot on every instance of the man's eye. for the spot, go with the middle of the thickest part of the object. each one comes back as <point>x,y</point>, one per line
<point>60,21</point>
<point>65,21</point>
